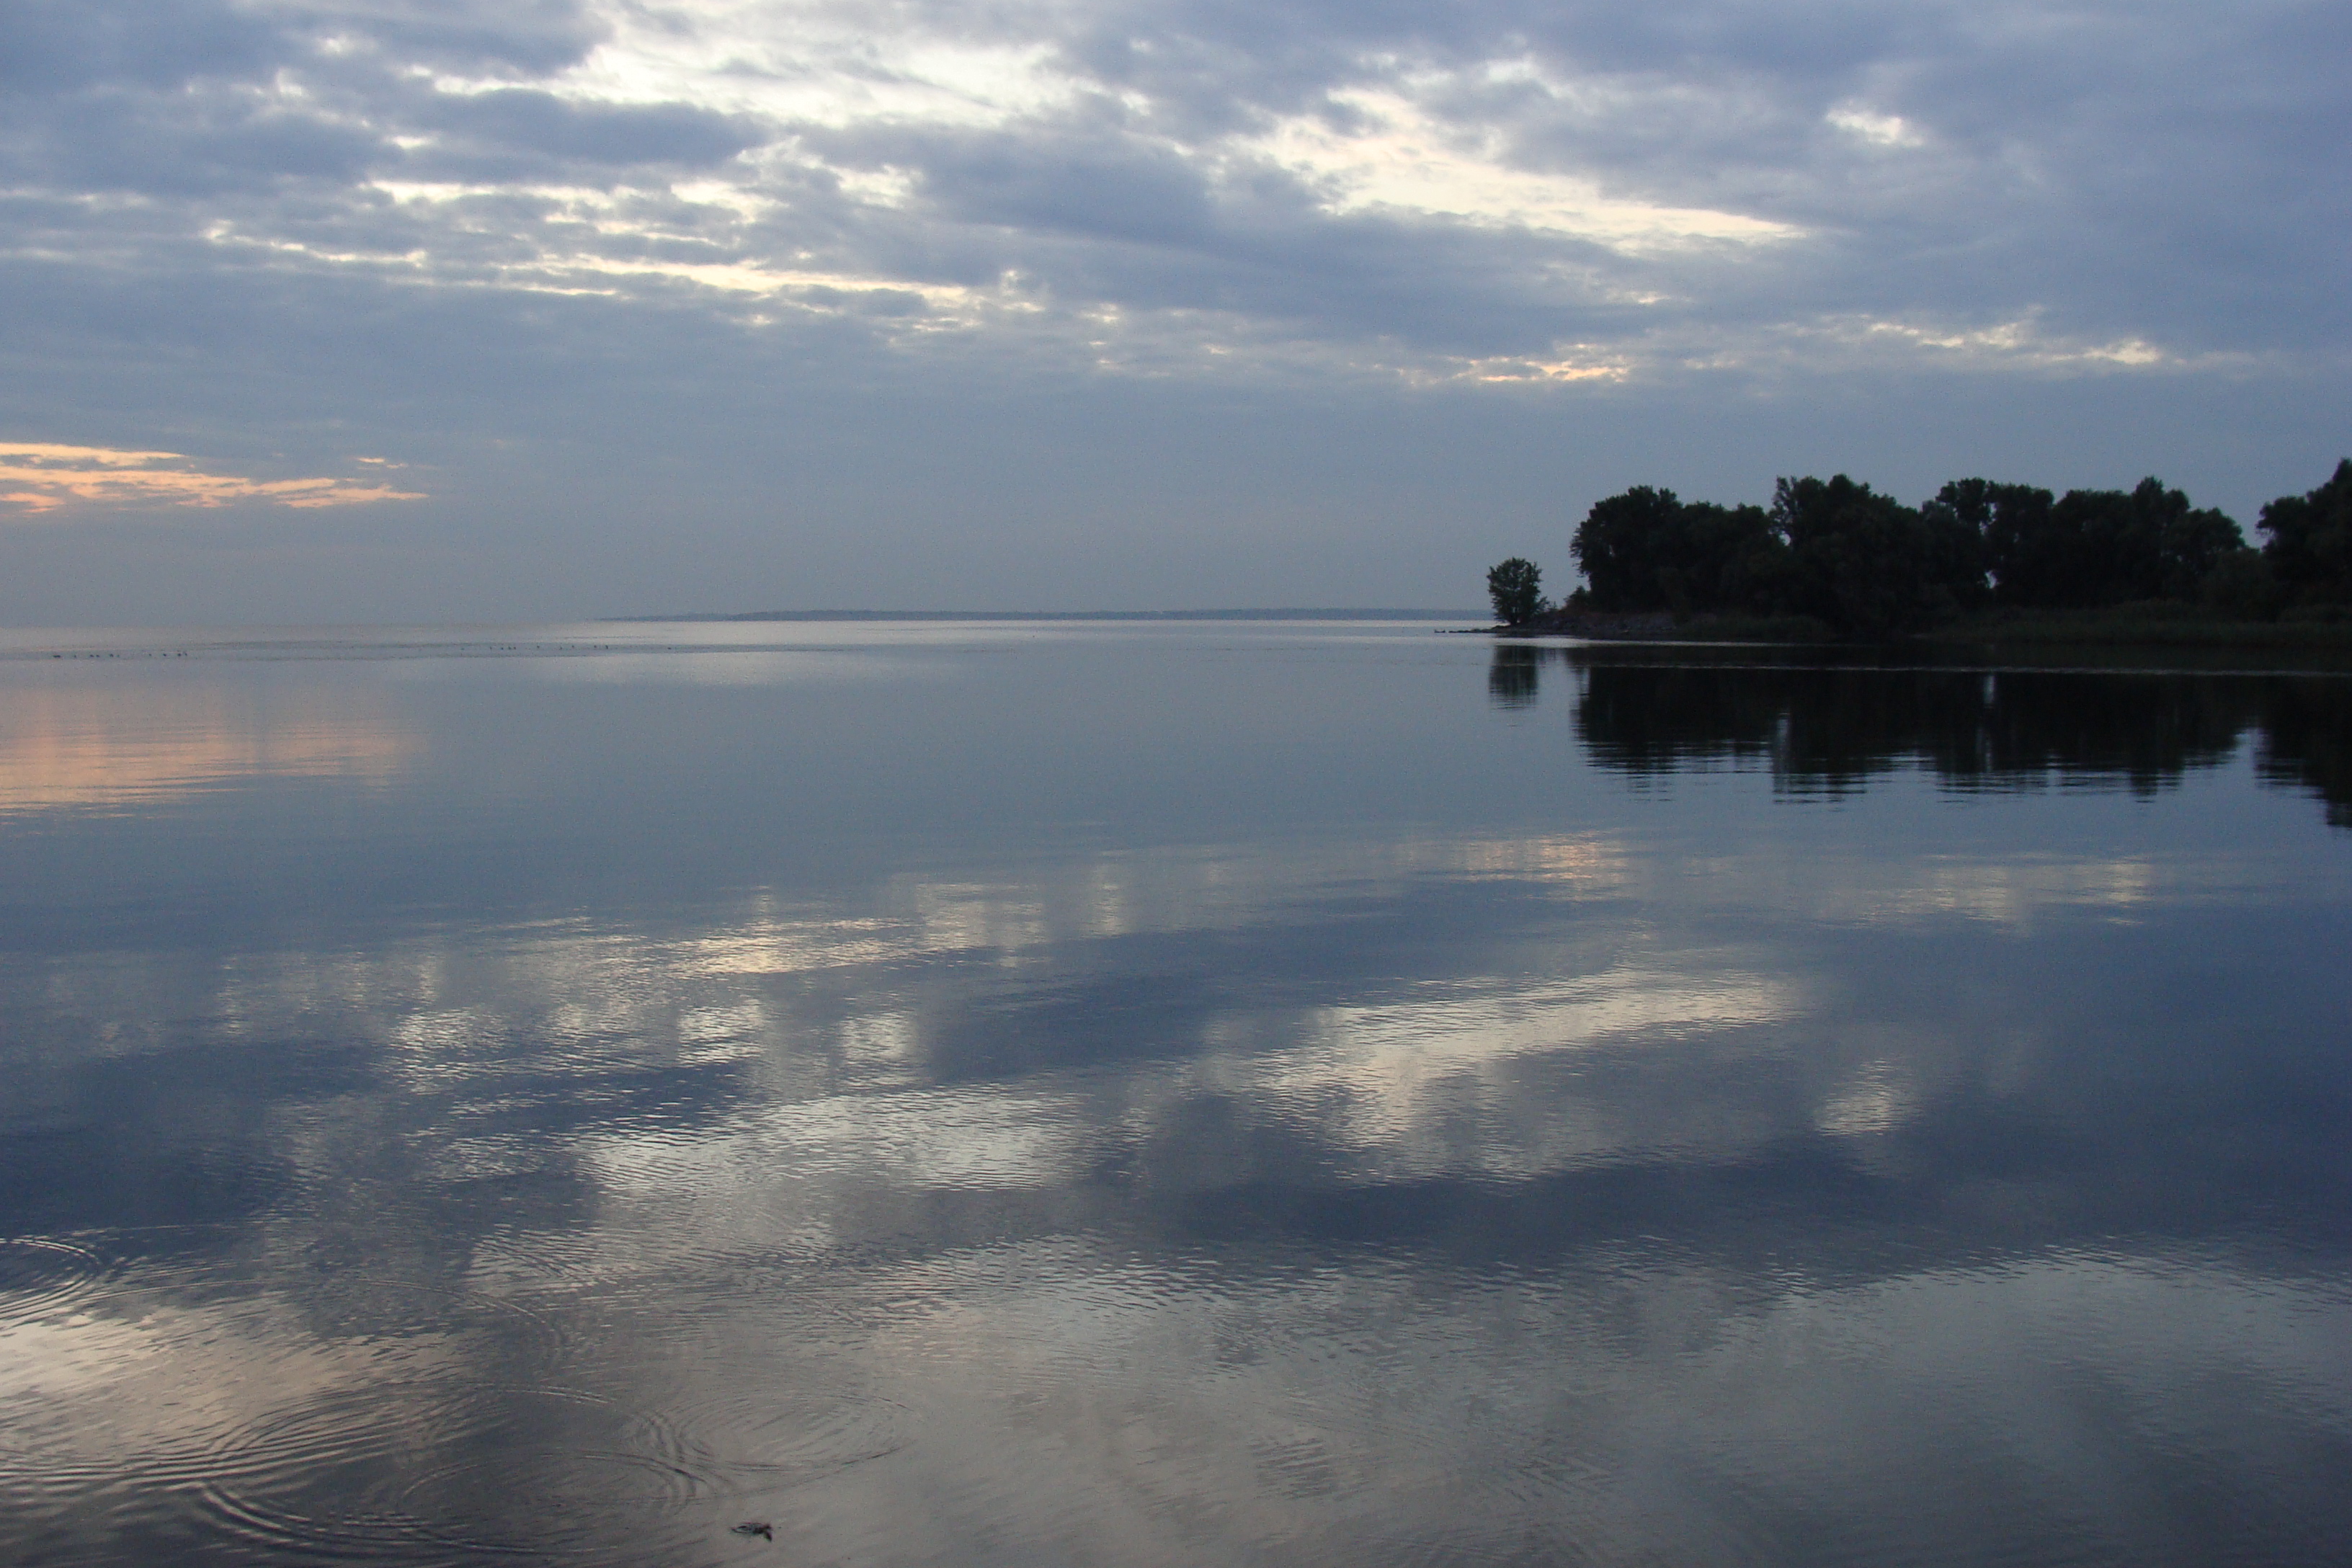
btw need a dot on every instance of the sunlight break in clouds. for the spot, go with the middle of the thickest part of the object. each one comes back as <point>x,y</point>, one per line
<point>1879,130</point>
<point>817,65</point>
<point>44,475</point>
<point>1406,162</point>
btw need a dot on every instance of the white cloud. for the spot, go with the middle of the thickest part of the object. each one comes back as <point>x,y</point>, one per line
<point>1879,130</point>
<point>1401,160</point>
<point>817,65</point>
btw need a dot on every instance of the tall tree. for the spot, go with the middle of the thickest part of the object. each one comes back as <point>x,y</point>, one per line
<point>2310,544</point>
<point>1862,562</point>
<point>1645,549</point>
<point>2009,525</point>
<point>1619,545</point>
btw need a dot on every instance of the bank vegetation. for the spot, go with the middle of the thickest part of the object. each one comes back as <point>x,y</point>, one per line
<point>1834,559</point>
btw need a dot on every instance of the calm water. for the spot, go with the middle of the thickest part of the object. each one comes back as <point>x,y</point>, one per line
<point>1165,1094</point>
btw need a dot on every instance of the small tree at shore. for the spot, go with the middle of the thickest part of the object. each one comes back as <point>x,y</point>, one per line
<point>1516,587</point>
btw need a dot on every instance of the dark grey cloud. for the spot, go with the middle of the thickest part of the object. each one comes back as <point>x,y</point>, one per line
<point>190,145</point>
<point>52,47</point>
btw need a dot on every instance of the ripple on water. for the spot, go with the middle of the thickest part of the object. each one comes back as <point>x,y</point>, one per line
<point>40,1275</point>
<point>527,1345</point>
<point>415,1470</point>
<point>761,1440</point>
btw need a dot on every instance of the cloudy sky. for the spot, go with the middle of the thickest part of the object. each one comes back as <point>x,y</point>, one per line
<point>338,310</point>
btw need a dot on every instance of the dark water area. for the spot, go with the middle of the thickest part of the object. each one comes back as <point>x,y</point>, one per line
<point>1156,1093</point>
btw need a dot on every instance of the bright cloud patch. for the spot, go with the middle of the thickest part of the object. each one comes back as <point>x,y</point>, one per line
<point>1879,130</point>
<point>1401,160</point>
<point>2022,343</point>
<point>819,64</point>
<point>42,477</point>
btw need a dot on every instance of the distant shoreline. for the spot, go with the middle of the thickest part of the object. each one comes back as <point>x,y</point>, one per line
<point>2129,626</point>
<point>1274,615</point>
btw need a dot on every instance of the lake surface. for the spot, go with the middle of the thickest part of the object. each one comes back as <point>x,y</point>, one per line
<point>1165,1094</point>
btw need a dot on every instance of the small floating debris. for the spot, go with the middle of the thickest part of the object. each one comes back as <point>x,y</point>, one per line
<point>758,1527</point>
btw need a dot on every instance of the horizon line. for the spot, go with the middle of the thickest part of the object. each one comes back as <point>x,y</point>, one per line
<point>1349,612</point>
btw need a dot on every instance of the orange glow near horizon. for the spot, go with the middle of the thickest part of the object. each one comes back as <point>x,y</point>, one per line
<point>40,477</point>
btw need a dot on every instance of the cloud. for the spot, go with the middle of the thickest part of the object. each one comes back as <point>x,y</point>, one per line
<point>1358,177</point>
<point>1881,129</point>
<point>47,476</point>
<point>1394,158</point>
<point>311,228</point>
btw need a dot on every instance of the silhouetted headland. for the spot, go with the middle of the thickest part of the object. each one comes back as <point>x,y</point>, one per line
<point>1981,562</point>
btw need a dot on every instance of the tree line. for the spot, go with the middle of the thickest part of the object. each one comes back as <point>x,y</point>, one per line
<point>1862,563</point>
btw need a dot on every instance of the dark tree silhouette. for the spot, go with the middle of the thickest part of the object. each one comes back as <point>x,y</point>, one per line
<point>2310,544</point>
<point>1865,565</point>
<point>2011,526</point>
<point>2090,548</point>
<point>1862,562</point>
<point>1645,549</point>
<point>1516,587</point>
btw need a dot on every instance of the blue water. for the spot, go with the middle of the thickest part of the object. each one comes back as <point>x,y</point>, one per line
<point>1143,1094</point>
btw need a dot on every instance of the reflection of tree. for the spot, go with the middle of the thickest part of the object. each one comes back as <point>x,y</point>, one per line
<point>2145,728</point>
<point>2307,739</point>
<point>1832,729</point>
<point>1512,680</point>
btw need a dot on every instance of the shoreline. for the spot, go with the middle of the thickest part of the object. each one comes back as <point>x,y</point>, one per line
<point>2093,639</point>
<point>2131,626</point>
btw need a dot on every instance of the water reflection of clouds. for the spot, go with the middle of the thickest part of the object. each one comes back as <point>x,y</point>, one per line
<point>2011,891</point>
<point>125,745</point>
<point>877,995</point>
<point>942,1276</point>
<point>916,1140</point>
<point>1179,889</point>
<point>1381,1192</point>
<point>1394,1072</point>
<point>1391,1410</point>
<point>2015,893</point>
<point>1504,1058</point>
<point>1190,1406</point>
<point>1874,1100</point>
<point>1383,1085</point>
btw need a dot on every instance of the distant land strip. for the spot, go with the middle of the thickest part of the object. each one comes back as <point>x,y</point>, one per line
<point>1275,614</point>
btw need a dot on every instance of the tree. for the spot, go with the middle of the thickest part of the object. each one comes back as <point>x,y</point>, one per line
<point>1865,565</point>
<point>1862,562</point>
<point>1645,549</point>
<point>2192,543</point>
<point>1618,546</point>
<point>1516,587</point>
<point>2310,544</point>
<point>2089,548</point>
<point>1998,527</point>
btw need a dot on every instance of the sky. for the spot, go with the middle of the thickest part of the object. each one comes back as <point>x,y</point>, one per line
<point>338,310</point>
